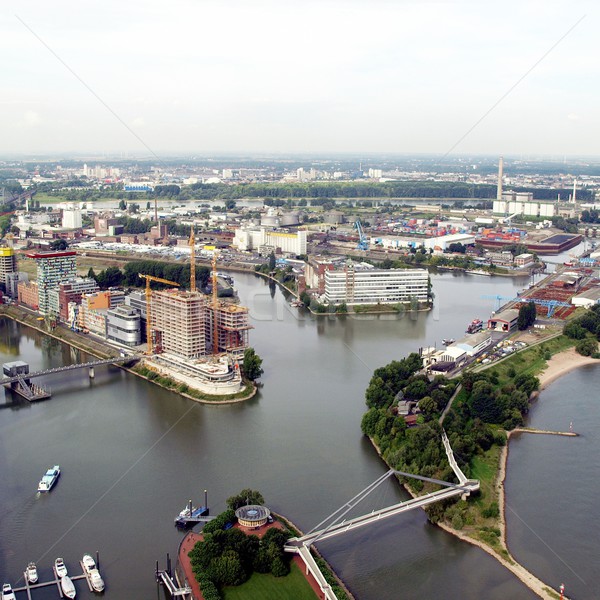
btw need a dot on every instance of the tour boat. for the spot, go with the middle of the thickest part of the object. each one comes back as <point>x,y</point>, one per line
<point>49,479</point>
<point>68,587</point>
<point>60,568</point>
<point>32,574</point>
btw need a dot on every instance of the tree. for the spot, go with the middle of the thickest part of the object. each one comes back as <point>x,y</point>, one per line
<point>122,205</point>
<point>230,204</point>
<point>252,364</point>
<point>272,261</point>
<point>59,245</point>
<point>587,347</point>
<point>527,315</point>
<point>245,497</point>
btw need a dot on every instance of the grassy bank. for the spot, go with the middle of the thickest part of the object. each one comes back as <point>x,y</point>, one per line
<point>267,587</point>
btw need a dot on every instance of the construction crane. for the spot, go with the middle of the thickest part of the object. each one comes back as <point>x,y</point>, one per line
<point>148,279</point>
<point>192,244</point>
<point>215,302</point>
<point>363,243</point>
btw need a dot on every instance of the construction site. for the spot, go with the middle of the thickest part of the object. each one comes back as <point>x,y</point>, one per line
<point>193,338</point>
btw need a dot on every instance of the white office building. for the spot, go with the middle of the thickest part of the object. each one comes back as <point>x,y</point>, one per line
<point>376,286</point>
<point>123,326</point>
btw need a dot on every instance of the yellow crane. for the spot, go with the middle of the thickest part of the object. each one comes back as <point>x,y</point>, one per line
<point>215,303</point>
<point>148,279</point>
<point>192,244</point>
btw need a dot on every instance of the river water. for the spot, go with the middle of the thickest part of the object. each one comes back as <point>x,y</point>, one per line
<point>132,454</point>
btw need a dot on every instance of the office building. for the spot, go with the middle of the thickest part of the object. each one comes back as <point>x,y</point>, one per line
<point>375,286</point>
<point>52,269</point>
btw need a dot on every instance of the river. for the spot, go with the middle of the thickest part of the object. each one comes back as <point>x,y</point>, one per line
<point>132,454</point>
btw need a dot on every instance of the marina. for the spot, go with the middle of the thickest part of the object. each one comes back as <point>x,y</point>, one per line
<point>62,581</point>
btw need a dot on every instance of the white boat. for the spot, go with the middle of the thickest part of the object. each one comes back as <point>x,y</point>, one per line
<point>60,568</point>
<point>89,566</point>
<point>68,587</point>
<point>7,592</point>
<point>187,511</point>
<point>96,580</point>
<point>49,479</point>
<point>31,572</point>
<point>88,563</point>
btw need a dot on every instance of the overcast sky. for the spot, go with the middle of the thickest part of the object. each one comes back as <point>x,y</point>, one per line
<point>304,76</point>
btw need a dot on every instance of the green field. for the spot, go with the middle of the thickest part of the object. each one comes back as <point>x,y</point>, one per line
<point>267,587</point>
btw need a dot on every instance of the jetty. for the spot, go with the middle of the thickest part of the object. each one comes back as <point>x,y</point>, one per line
<point>28,587</point>
<point>18,379</point>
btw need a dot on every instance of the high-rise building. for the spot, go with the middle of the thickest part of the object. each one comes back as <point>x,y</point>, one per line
<point>178,322</point>
<point>183,323</point>
<point>8,263</point>
<point>52,269</point>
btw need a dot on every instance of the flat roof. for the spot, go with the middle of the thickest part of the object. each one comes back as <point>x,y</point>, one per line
<point>506,315</point>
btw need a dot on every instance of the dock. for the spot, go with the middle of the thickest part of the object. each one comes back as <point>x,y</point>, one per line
<point>56,581</point>
<point>196,515</point>
<point>19,381</point>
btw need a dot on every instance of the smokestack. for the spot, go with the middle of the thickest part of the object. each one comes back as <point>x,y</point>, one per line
<point>500,169</point>
<point>574,191</point>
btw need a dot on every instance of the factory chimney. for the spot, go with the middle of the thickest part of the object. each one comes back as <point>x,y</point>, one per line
<point>574,191</point>
<point>500,169</point>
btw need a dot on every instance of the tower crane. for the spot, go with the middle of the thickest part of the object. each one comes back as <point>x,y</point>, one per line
<point>215,303</point>
<point>192,244</point>
<point>148,279</point>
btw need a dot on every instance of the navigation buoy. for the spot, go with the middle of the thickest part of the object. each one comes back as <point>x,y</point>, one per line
<point>562,591</point>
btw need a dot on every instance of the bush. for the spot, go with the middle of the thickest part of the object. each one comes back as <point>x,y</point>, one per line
<point>587,347</point>
<point>491,512</point>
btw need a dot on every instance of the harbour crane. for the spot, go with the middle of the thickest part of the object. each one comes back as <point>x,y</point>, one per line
<point>363,243</point>
<point>148,279</point>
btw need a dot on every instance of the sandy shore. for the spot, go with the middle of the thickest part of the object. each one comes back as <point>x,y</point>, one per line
<point>563,362</point>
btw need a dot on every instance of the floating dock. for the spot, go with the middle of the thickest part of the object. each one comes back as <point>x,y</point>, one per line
<point>22,385</point>
<point>195,515</point>
<point>56,581</point>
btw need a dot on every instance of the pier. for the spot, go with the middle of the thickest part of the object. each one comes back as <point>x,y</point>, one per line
<point>165,577</point>
<point>56,581</point>
<point>17,375</point>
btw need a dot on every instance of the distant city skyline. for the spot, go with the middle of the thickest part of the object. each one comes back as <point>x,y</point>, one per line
<point>336,76</point>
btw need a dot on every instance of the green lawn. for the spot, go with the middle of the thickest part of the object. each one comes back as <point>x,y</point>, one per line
<point>267,587</point>
<point>532,360</point>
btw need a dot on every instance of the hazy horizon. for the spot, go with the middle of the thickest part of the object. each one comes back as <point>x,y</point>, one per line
<point>313,78</point>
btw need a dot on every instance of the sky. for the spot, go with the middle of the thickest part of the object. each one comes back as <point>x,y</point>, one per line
<point>279,76</point>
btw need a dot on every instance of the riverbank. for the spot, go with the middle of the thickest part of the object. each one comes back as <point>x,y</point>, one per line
<point>562,363</point>
<point>99,349</point>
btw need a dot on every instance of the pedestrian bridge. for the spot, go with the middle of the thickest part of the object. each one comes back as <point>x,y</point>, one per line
<point>338,525</point>
<point>94,363</point>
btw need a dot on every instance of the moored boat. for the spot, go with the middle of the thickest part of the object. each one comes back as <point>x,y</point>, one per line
<point>7,592</point>
<point>31,573</point>
<point>68,587</point>
<point>60,568</point>
<point>475,325</point>
<point>448,341</point>
<point>49,479</point>
<point>96,580</point>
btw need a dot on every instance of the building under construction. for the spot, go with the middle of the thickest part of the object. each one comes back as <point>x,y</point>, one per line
<point>183,323</point>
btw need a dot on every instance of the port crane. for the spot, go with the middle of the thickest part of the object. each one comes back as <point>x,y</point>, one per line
<point>363,243</point>
<point>148,279</point>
